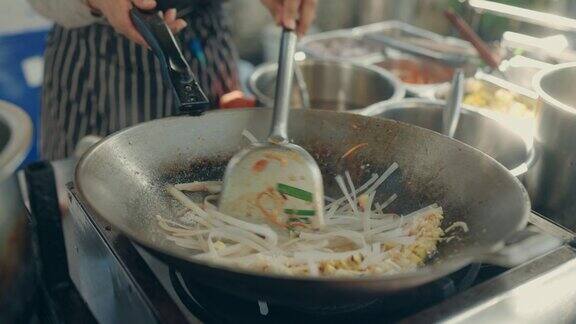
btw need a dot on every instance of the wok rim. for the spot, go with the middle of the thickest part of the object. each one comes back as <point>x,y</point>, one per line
<point>426,273</point>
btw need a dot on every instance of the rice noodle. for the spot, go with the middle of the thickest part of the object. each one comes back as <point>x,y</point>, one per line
<point>263,230</point>
<point>249,136</point>
<point>455,225</point>
<point>359,237</point>
<point>351,185</point>
<point>342,186</point>
<point>382,178</point>
<point>368,212</point>
<point>387,203</point>
<point>339,201</point>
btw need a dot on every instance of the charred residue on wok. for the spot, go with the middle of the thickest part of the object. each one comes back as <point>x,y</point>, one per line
<point>197,169</point>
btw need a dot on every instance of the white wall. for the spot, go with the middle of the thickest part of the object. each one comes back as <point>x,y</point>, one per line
<point>16,16</point>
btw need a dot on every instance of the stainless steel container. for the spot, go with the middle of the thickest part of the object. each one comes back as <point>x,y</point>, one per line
<point>332,85</point>
<point>552,181</point>
<point>15,248</point>
<point>418,41</point>
<point>341,44</point>
<point>422,77</point>
<point>474,129</point>
<point>15,140</point>
<point>15,137</point>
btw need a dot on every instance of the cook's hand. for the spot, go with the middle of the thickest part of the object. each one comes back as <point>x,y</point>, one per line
<point>117,12</point>
<point>293,14</point>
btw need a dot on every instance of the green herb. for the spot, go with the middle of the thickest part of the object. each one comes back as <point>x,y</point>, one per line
<point>300,212</point>
<point>294,192</point>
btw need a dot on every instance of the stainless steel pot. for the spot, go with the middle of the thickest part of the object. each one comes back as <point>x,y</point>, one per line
<point>15,138</point>
<point>15,248</point>
<point>552,181</point>
<point>332,85</point>
<point>474,129</point>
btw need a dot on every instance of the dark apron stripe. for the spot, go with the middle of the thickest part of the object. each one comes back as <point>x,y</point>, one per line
<point>97,82</point>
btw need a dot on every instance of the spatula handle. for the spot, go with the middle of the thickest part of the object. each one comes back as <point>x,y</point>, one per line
<point>279,132</point>
<point>451,113</point>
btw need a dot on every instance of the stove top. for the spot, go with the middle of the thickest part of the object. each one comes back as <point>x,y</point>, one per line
<point>121,282</point>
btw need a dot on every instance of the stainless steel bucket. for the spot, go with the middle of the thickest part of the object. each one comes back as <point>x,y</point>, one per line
<point>474,129</point>
<point>15,140</point>
<point>332,85</point>
<point>551,183</point>
<point>15,247</point>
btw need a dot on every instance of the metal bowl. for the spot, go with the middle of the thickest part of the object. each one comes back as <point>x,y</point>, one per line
<point>474,129</point>
<point>332,85</point>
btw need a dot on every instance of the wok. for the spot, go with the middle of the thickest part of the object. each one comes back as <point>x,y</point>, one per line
<point>123,178</point>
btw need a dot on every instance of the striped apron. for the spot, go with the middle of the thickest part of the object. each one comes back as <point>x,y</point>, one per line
<point>97,82</point>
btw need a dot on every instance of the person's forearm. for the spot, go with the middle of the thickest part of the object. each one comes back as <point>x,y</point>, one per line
<point>67,13</point>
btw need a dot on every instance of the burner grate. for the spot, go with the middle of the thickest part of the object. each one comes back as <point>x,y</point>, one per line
<point>214,306</point>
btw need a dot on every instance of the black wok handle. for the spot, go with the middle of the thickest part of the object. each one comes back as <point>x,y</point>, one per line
<point>47,221</point>
<point>190,99</point>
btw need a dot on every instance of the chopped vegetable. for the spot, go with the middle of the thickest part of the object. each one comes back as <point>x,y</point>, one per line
<point>260,165</point>
<point>294,192</point>
<point>299,212</point>
<point>502,100</point>
<point>353,149</point>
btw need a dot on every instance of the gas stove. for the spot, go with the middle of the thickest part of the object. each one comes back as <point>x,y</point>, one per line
<point>121,282</point>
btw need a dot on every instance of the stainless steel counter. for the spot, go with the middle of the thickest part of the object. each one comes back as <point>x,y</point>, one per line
<point>540,291</point>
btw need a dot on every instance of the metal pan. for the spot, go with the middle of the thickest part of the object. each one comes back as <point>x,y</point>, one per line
<point>123,178</point>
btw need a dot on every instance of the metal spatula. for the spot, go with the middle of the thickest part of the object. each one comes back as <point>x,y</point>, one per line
<point>453,109</point>
<point>276,182</point>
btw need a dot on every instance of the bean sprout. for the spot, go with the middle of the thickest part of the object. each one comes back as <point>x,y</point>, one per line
<point>360,237</point>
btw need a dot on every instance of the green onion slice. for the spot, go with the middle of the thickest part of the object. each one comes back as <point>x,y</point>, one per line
<point>300,212</point>
<point>294,192</point>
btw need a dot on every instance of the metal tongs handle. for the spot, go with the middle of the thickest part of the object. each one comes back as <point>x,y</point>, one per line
<point>302,87</point>
<point>190,99</point>
<point>279,132</point>
<point>451,114</point>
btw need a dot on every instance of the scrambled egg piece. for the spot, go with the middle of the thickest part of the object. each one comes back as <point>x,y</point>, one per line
<point>402,257</point>
<point>478,95</point>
